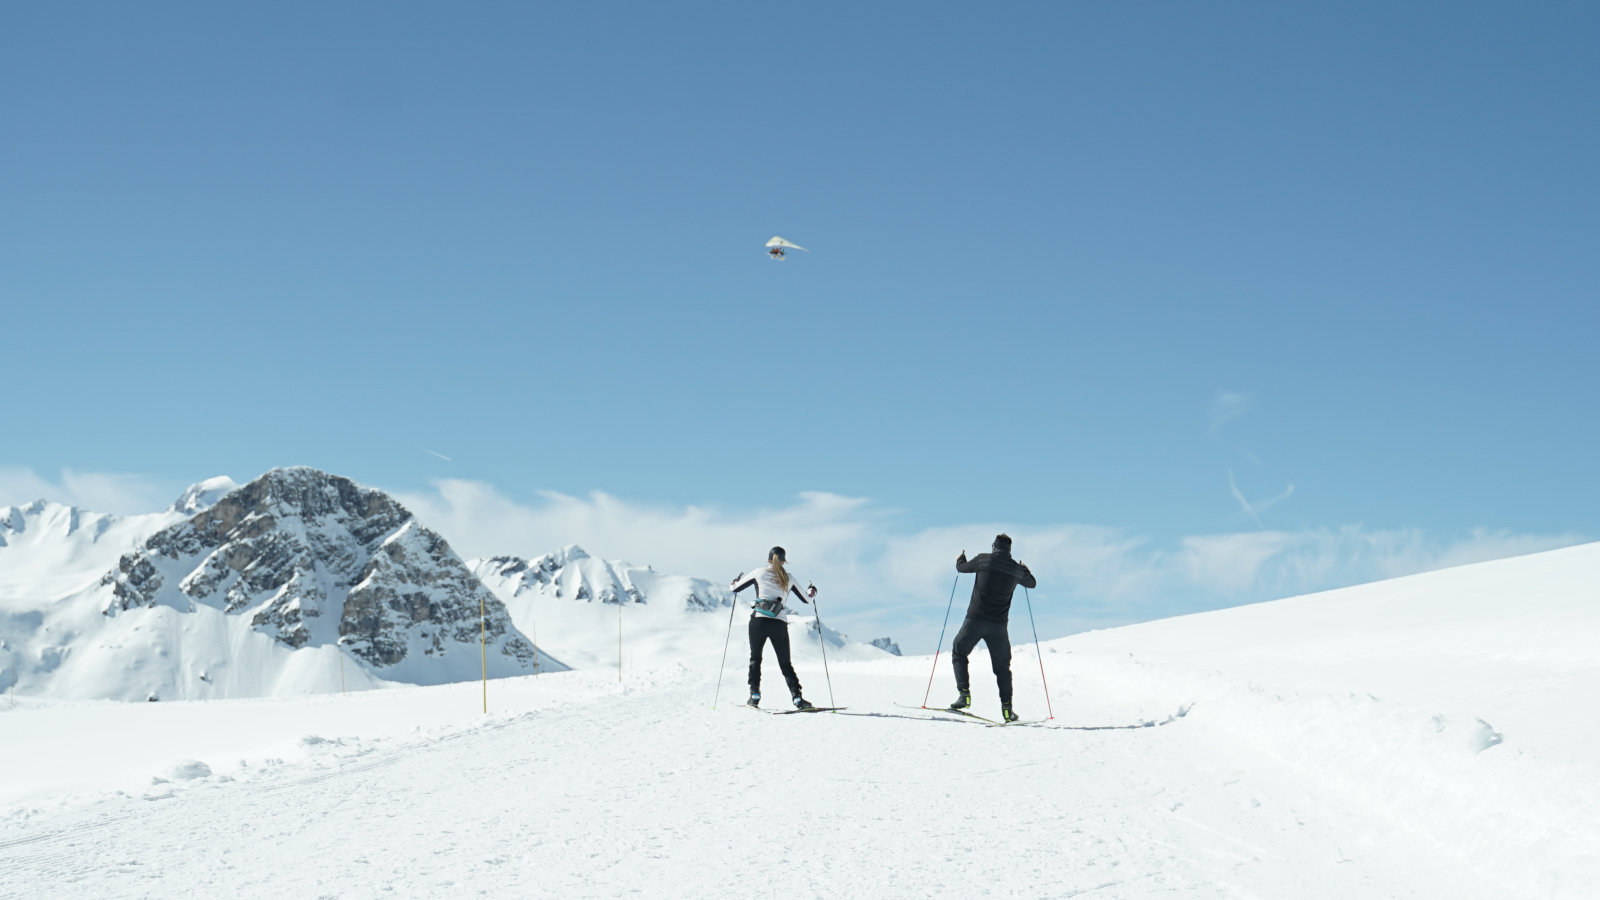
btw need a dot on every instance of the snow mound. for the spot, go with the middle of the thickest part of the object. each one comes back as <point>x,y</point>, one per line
<point>187,770</point>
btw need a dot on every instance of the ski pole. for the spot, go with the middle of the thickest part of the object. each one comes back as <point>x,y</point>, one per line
<point>483,645</point>
<point>733,605</point>
<point>817,610</point>
<point>940,646</point>
<point>1036,652</point>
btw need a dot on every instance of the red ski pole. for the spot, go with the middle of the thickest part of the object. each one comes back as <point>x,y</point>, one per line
<point>1038,654</point>
<point>949,606</point>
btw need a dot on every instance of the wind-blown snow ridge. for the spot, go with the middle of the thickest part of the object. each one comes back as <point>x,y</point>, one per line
<point>203,495</point>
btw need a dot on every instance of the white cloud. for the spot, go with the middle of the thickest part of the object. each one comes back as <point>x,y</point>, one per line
<point>1227,563</point>
<point>97,491</point>
<point>876,580</point>
<point>822,532</point>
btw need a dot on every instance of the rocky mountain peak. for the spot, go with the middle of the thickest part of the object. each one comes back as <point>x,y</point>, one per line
<point>312,558</point>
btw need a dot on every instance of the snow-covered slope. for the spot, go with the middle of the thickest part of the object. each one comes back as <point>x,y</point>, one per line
<point>48,550</point>
<point>255,594</point>
<point>573,602</point>
<point>1458,706</point>
<point>1427,737</point>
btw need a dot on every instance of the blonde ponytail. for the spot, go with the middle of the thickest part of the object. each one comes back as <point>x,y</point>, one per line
<point>776,565</point>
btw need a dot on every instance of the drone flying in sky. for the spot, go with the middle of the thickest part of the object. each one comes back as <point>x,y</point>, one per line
<point>776,245</point>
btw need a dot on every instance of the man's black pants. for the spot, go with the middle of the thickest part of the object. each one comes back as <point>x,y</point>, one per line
<point>763,629</point>
<point>993,634</point>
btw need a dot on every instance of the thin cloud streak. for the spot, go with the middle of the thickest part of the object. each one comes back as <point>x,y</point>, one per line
<point>1254,510</point>
<point>1225,407</point>
<point>1248,509</point>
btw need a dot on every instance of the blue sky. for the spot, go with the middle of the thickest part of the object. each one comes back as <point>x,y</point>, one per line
<point>1161,271</point>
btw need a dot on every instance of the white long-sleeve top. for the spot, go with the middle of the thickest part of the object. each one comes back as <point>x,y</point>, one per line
<point>767,588</point>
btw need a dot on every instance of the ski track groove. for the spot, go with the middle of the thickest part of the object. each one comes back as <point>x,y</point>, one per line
<point>40,862</point>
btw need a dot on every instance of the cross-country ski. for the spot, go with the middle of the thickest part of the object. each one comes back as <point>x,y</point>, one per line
<point>790,712</point>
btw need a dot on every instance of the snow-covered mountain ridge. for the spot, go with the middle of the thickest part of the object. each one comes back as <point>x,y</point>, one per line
<point>301,581</point>
<point>49,550</point>
<point>260,591</point>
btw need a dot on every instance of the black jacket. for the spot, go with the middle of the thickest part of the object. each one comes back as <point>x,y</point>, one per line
<point>998,577</point>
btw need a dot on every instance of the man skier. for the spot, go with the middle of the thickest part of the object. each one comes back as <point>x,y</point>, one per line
<point>767,623</point>
<point>998,577</point>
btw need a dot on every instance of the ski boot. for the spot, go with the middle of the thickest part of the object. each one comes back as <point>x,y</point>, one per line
<point>802,703</point>
<point>755,699</point>
<point>963,702</point>
<point>1007,715</point>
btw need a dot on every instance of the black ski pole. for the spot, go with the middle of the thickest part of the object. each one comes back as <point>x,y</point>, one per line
<point>733,606</point>
<point>1036,652</point>
<point>817,610</point>
<point>940,646</point>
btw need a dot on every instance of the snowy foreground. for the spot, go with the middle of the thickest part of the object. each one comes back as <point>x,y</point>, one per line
<point>1433,736</point>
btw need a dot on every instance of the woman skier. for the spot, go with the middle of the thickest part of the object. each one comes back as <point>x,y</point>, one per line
<point>767,623</point>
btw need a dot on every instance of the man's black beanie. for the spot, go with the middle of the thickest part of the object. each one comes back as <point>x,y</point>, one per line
<point>1002,543</point>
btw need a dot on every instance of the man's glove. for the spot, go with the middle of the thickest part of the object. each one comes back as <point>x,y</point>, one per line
<point>736,579</point>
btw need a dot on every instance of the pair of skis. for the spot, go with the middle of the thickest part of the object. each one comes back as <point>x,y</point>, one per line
<point>987,723</point>
<point>790,712</point>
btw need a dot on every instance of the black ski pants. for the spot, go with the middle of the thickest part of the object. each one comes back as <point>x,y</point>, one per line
<point>763,629</point>
<point>994,635</point>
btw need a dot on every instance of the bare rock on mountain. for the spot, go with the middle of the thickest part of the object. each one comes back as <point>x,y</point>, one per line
<point>886,644</point>
<point>313,558</point>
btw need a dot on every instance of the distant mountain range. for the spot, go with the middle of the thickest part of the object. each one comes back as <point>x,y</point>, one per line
<point>305,582</point>
<point>574,601</point>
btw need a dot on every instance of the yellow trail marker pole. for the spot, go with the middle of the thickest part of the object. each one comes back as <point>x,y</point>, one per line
<point>483,646</point>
